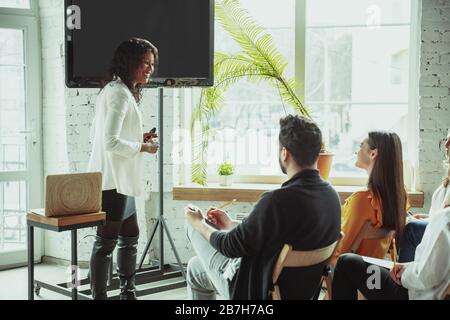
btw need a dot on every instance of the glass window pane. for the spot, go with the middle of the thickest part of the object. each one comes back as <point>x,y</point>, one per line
<point>357,12</point>
<point>247,126</point>
<point>346,124</point>
<point>357,76</point>
<point>20,4</point>
<point>12,102</point>
<point>348,63</point>
<point>11,47</point>
<point>246,131</point>
<point>13,200</point>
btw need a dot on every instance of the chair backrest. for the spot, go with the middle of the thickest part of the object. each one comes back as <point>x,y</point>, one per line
<point>292,258</point>
<point>368,231</point>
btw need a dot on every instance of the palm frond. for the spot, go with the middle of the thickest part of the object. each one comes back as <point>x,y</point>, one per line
<point>258,61</point>
<point>252,38</point>
<point>287,93</point>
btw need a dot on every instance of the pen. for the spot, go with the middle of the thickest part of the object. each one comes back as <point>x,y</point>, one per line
<point>394,255</point>
<point>226,204</point>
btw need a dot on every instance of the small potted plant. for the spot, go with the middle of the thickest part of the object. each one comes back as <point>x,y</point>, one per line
<point>225,172</point>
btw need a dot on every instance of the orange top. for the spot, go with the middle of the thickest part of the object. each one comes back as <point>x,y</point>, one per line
<point>360,207</point>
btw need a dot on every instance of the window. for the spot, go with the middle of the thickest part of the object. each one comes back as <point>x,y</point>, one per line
<point>357,73</point>
<point>356,79</point>
<point>19,4</point>
<point>12,97</point>
<point>247,126</point>
<point>20,142</point>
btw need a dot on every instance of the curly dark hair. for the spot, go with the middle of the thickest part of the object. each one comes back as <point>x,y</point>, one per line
<point>302,138</point>
<point>127,58</point>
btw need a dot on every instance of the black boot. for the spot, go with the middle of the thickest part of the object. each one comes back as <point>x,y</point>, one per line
<point>126,266</point>
<point>99,266</point>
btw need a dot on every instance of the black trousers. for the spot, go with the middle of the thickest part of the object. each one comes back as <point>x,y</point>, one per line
<point>352,274</point>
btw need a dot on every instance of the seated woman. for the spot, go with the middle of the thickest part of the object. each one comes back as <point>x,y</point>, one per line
<point>416,225</point>
<point>383,203</point>
<point>426,278</point>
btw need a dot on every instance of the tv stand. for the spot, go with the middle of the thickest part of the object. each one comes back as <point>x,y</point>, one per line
<point>161,271</point>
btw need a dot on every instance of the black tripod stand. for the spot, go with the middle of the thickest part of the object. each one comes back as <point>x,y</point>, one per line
<point>162,272</point>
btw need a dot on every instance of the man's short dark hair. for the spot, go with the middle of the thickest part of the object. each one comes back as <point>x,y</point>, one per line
<point>302,138</point>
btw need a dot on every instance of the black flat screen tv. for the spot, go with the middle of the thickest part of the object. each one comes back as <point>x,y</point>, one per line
<point>182,30</point>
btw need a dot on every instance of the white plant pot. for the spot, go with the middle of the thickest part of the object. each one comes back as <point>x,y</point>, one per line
<point>225,181</point>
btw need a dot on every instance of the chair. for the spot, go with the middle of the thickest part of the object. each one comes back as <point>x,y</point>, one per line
<point>367,232</point>
<point>70,223</point>
<point>292,258</point>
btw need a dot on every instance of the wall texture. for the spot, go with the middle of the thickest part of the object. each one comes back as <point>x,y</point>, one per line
<point>68,114</point>
<point>434,91</point>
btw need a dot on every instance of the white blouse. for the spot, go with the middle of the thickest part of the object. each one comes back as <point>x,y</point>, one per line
<point>440,199</point>
<point>116,136</point>
<point>428,276</point>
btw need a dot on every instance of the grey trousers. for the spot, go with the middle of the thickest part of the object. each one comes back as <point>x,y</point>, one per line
<point>205,271</point>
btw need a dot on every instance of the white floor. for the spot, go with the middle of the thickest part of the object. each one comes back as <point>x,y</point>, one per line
<point>13,284</point>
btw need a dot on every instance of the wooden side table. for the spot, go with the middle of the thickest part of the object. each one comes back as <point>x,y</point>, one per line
<point>59,224</point>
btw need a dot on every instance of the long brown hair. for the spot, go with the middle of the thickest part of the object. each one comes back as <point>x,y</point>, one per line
<point>127,58</point>
<point>386,180</point>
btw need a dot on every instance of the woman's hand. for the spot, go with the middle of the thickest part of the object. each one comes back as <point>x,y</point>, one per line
<point>416,217</point>
<point>397,277</point>
<point>221,219</point>
<point>150,147</point>
<point>420,216</point>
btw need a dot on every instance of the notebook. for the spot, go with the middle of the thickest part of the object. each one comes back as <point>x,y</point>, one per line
<point>379,262</point>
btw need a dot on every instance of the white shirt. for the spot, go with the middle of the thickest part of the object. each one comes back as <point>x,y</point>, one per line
<point>116,136</point>
<point>428,276</point>
<point>440,199</point>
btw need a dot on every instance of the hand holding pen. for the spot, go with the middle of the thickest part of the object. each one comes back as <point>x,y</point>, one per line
<point>220,219</point>
<point>398,268</point>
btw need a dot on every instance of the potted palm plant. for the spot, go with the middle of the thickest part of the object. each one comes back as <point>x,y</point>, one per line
<point>258,61</point>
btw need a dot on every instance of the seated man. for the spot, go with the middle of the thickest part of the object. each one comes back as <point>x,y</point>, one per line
<point>427,277</point>
<point>416,225</point>
<point>305,212</point>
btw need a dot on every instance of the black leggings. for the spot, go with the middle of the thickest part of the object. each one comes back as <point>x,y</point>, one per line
<point>351,274</point>
<point>121,218</point>
<point>126,228</point>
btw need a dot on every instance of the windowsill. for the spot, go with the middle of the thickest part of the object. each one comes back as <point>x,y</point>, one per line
<point>247,192</point>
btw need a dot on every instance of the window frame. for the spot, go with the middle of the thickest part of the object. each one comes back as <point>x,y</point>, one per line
<point>28,21</point>
<point>411,158</point>
<point>32,11</point>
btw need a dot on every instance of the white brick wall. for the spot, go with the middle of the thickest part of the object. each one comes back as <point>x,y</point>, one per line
<point>68,114</point>
<point>434,83</point>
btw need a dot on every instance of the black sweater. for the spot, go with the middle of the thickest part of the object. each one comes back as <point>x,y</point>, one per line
<point>304,212</point>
